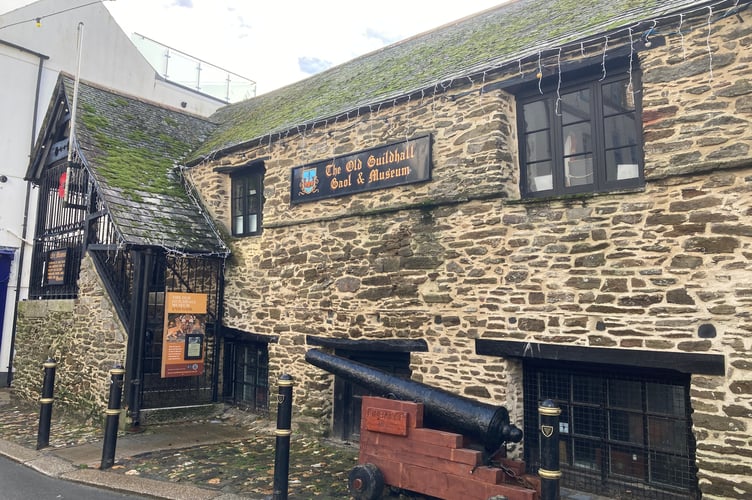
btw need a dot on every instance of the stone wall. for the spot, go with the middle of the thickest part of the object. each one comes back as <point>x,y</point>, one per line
<point>462,257</point>
<point>84,335</point>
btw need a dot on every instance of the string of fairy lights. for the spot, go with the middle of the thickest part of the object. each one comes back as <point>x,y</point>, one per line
<point>537,59</point>
<point>37,20</point>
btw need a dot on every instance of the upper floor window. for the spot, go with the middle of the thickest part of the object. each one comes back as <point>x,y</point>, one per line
<point>586,137</point>
<point>247,201</point>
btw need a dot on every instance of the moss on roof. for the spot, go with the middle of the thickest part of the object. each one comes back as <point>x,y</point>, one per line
<point>135,145</point>
<point>132,148</point>
<point>466,47</point>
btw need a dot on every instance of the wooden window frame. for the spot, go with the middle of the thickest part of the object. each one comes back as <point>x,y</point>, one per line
<point>246,205</point>
<point>585,79</point>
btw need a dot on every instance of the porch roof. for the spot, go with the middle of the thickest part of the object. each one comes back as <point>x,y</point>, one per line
<point>431,62</point>
<point>132,149</point>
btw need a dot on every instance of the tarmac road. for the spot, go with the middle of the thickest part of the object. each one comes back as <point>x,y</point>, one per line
<point>19,482</point>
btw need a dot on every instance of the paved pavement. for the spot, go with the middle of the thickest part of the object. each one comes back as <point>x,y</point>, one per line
<point>81,463</point>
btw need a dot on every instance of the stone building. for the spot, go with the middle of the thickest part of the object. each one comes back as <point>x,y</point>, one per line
<point>118,236</point>
<point>534,202</point>
<point>545,200</point>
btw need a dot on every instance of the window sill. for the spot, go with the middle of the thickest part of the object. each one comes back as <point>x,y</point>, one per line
<point>575,196</point>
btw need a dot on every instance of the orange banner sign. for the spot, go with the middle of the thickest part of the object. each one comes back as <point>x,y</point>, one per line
<point>183,342</point>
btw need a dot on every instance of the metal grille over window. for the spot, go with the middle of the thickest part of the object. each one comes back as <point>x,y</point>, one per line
<point>621,436</point>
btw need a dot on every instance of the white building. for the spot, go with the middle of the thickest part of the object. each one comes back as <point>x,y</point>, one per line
<point>38,41</point>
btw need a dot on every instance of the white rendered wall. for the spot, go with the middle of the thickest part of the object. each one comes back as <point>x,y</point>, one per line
<point>109,59</point>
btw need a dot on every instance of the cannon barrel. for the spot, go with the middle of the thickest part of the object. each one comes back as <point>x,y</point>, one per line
<point>486,423</point>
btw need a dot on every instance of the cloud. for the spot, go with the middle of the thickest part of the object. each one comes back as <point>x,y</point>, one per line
<point>381,36</point>
<point>184,3</point>
<point>313,65</point>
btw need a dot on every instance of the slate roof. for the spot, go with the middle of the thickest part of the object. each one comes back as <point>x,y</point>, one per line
<point>467,47</point>
<point>132,147</point>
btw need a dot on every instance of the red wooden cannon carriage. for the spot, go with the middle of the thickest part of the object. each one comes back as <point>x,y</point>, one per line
<point>396,450</point>
<point>404,442</point>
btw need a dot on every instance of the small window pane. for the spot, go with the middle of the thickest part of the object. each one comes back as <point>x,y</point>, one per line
<point>536,115</point>
<point>252,223</point>
<point>237,205</point>
<point>627,462</point>
<point>578,170</point>
<point>626,426</point>
<point>540,176</point>
<point>587,421</point>
<point>620,131</point>
<point>625,394</point>
<point>617,98</point>
<point>237,227</point>
<point>538,146</point>
<point>238,187</point>
<point>670,435</point>
<point>253,204</point>
<point>578,139</point>
<point>575,107</point>
<point>670,469</point>
<point>666,399</point>
<point>622,164</point>
<point>587,389</point>
<point>553,386</point>
<point>587,455</point>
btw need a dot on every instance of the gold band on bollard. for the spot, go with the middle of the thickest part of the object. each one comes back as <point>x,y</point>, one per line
<point>549,474</point>
<point>285,383</point>
<point>49,364</point>
<point>282,432</point>
<point>46,401</point>
<point>549,412</point>
<point>117,371</point>
<point>111,411</point>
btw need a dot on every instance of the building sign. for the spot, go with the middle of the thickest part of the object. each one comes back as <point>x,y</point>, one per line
<point>57,266</point>
<point>404,162</point>
<point>183,342</point>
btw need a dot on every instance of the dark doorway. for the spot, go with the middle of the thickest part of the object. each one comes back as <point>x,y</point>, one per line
<point>247,375</point>
<point>348,395</point>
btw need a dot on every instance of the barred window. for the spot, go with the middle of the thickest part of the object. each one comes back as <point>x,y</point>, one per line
<point>619,432</point>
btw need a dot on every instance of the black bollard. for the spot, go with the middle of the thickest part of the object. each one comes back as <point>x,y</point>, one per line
<point>112,417</point>
<point>549,471</point>
<point>283,432</point>
<point>45,402</point>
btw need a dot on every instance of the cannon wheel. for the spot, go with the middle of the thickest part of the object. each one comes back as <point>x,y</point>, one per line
<point>366,482</point>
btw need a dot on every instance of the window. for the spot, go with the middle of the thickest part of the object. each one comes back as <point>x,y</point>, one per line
<point>249,375</point>
<point>583,137</point>
<point>247,201</point>
<point>619,432</point>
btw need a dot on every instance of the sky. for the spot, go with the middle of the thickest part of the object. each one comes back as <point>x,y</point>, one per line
<point>279,42</point>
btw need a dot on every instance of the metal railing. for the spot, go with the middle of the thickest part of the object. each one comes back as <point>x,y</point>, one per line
<point>194,73</point>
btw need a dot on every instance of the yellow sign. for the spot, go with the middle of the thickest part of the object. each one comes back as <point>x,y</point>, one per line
<point>183,341</point>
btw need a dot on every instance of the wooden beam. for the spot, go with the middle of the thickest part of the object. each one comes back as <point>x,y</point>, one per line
<point>705,364</point>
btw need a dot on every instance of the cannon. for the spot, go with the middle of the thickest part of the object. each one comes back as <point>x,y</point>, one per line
<point>418,438</point>
<point>486,423</point>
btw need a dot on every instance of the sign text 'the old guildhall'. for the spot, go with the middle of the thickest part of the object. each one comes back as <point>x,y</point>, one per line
<point>396,164</point>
